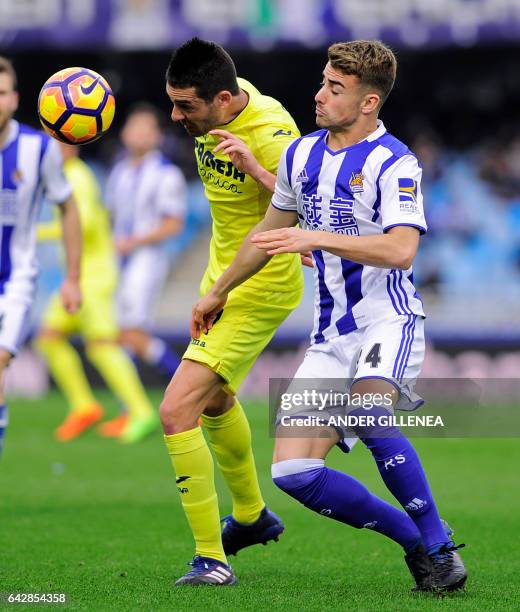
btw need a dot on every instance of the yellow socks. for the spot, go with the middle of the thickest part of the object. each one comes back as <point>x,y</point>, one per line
<point>120,375</point>
<point>230,437</point>
<point>193,467</point>
<point>67,370</point>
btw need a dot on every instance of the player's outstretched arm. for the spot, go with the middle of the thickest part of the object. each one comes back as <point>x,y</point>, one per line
<point>71,228</point>
<point>243,159</point>
<point>395,249</point>
<point>248,261</point>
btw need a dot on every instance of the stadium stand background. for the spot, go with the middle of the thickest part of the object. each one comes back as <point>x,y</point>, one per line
<point>456,103</point>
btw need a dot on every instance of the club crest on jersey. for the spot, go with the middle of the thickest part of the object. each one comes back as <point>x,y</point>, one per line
<point>408,195</point>
<point>302,177</point>
<point>356,182</point>
<point>17,176</point>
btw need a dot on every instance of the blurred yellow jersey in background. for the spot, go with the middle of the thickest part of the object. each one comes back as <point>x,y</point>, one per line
<point>99,273</point>
<point>236,200</point>
<point>98,260</point>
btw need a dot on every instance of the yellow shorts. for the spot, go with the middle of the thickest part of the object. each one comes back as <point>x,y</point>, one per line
<point>95,320</point>
<point>245,328</point>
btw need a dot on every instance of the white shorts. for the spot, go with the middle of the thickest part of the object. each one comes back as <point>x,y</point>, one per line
<point>141,281</point>
<point>14,322</point>
<point>391,349</point>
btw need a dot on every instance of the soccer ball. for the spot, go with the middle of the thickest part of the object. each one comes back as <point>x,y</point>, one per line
<point>76,105</point>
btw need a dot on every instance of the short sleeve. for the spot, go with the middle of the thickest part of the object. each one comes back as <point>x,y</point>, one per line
<point>401,196</point>
<point>57,188</point>
<point>172,193</point>
<point>284,197</point>
<point>273,143</point>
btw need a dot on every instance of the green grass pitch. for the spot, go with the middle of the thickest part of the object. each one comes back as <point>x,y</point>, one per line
<point>103,523</point>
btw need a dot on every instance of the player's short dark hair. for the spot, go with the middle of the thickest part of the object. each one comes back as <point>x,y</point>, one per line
<point>370,60</point>
<point>205,66</point>
<point>7,67</point>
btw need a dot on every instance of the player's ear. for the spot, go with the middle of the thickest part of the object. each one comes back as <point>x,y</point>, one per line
<point>370,103</point>
<point>223,98</point>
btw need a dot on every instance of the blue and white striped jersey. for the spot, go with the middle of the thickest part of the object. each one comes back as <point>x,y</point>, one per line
<point>361,190</point>
<point>139,195</point>
<point>31,167</point>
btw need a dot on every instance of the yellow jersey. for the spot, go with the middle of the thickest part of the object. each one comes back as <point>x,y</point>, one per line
<point>237,201</point>
<point>98,260</point>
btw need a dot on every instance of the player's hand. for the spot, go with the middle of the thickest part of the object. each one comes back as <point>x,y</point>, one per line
<point>285,240</point>
<point>70,295</point>
<point>238,152</point>
<point>204,313</point>
<point>307,259</point>
<point>124,246</point>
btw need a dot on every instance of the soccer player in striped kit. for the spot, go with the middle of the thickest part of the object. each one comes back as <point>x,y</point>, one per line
<point>355,191</point>
<point>30,167</point>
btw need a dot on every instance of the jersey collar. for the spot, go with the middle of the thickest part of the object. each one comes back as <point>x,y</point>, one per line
<point>378,132</point>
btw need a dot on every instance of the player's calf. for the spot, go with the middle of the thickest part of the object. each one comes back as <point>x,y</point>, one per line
<point>339,496</point>
<point>403,474</point>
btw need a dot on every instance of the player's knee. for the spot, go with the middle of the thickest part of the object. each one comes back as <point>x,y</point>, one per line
<point>178,412</point>
<point>299,478</point>
<point>376,430</point>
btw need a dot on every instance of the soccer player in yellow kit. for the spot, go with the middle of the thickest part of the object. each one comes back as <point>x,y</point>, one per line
<point>94,321</point>
<point>206,94</point>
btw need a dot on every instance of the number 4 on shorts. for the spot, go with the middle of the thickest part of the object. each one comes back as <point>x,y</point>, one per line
<point>374,355</point>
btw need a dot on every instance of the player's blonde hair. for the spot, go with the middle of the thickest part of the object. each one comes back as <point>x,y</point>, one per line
<point>7,67</point>
<point>370,60</point>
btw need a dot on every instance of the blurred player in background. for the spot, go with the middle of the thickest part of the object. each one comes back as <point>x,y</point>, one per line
<point>30,167</point>
<point>355,190</point>
<point>94,321</point>
<point>203,87</point>
<point>146,195</point>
